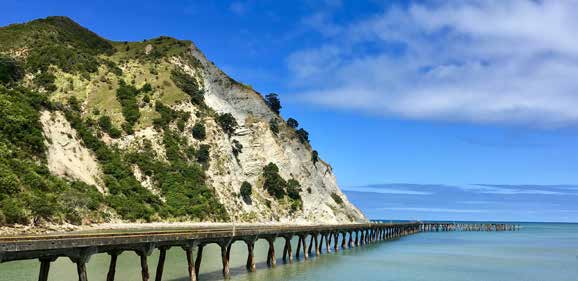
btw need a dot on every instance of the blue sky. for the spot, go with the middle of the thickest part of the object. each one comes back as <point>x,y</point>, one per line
<point>432,93</point>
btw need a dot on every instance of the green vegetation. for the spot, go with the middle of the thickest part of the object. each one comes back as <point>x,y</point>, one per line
<point>277,187</point>
<point>227,122</point>
<point>294,189</point>
<point>28,192</point>
<point>292,123</point>
<point>273,102</point>
<point>302,135</point>
<point>199,131</point>
<point>274,183</point>
<point>237,149</point>
<point>57,41</point>
<point>246,191</point>
<point>314,157</point>
<point>336,198</point>
<point>126,95</point>
<point>9,70</point>
<point>106,126</point>
<point>274,126</point>
<point>203,155</point>
<point>189,85</point>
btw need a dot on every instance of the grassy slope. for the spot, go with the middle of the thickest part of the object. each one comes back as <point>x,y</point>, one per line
<point>75,67</point>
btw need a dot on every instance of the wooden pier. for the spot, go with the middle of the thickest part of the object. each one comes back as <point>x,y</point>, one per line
<point>312,240</point>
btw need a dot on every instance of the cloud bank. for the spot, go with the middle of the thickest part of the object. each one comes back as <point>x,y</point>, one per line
<point>505,62</point>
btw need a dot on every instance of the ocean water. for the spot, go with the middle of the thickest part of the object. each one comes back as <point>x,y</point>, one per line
<point>539,252</point>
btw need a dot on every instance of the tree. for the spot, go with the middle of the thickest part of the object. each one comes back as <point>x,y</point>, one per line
<point>246,190</point>
<point>273,102</point>
<point>292,123</point>
<point>337,198</point>
<point>274,183</point>
<point>199,131</point>
<point>294,189</point>
<point>302,135</point>
<point>314,156</point>
<point>227,122</point>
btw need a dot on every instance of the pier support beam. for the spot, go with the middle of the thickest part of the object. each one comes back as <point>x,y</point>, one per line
<point>336,241</point>
<point>112,266</point>
<point>191,266</point>
<point>287,251</point>
<point>327,242</point>
<point>161,264</point>
<point>271,259</point>
<point>250,265</point>
<point>225,255</point>
<point>45,268</point>
<point>80,258</point>
<point>198,260</point>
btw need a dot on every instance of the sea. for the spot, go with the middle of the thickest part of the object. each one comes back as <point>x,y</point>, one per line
<point>538,252</point>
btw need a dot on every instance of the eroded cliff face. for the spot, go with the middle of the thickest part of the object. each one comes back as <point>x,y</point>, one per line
<point>234,157</point>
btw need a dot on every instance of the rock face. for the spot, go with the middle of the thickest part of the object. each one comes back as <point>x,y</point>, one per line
<point>261,146</point>
<point>235,157</point>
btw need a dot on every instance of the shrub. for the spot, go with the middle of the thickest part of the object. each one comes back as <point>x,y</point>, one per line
<point>45,80</point>
<point>227,122</point>
<point>274,126</point>
<point>237,148</point>
<point>188,85</point>
<point>9,70</point>
<point>336,198</point>
<point>106,125</point>
<point>274,183</point>
<point>246,190</point>
<point>199,131</point>
<point>203,154</point>
<point>146,88</point>
<point>314,156</point>
<point>294,189</point>
<point>302,135</point>
<point>14,211</point>
<point>126,95</point>
<point>273,102</point>
<point>292,123</point>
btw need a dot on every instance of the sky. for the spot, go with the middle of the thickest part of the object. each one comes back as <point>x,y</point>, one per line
<point>443,102</point>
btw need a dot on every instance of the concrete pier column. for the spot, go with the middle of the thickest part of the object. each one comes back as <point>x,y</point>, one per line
<point>287,251</point>
<point>317,245</point>
<point>190,264</point>
<point>161,264</point>
<point>311,240</point>
<point>350,242</point>
<point>80,258</point>
<point>225,254</point>
<point>336,241</point>
<point>112,266</point>
<point>271,260</point>
<point>250,265</point>
<point>327,242</point>
<point>45,268</point>
<point>305,253</point>
<point>356,238</point>
<point>343,240</point>
<point>199,259</point>
<point>144,266</point>
<point>299,245</point>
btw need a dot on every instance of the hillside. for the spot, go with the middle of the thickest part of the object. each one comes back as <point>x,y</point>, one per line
<point>95,131</point>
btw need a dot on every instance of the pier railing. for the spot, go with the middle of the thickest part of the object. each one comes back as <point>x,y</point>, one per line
<point>79,247</point>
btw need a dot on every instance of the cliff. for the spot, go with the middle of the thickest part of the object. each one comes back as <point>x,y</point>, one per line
<point>142,132</point>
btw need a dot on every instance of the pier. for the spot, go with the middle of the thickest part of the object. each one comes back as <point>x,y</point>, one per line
<point>312,240</point>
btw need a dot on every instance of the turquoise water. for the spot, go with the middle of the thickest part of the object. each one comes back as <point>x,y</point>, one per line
<point>538,252</point>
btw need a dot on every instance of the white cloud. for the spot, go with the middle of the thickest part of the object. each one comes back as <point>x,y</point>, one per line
<point>513,62</point>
